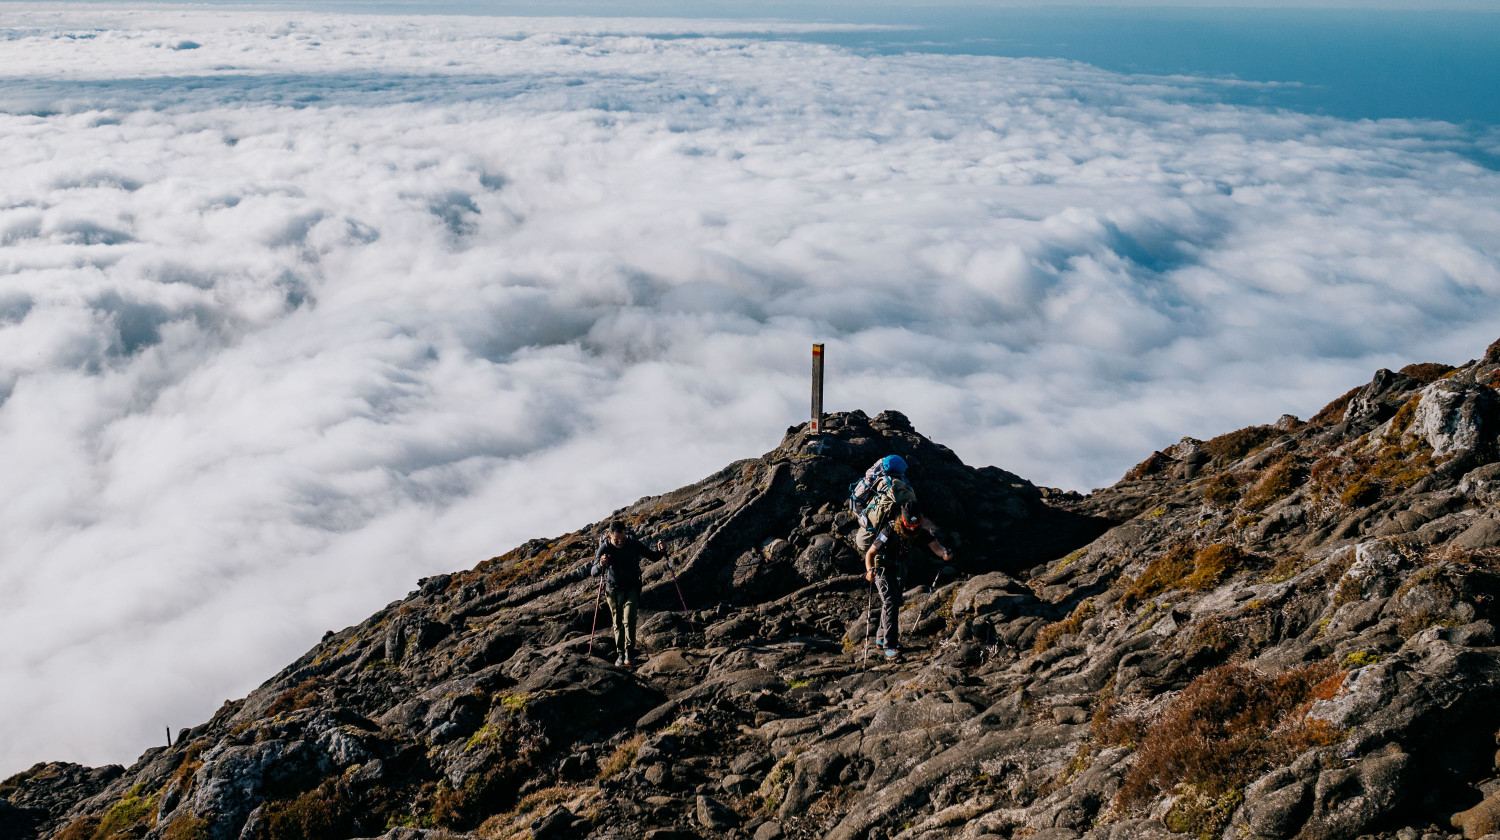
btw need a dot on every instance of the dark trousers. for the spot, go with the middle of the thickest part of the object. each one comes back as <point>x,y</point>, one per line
<point>623,606</point>
<point>888,586</point>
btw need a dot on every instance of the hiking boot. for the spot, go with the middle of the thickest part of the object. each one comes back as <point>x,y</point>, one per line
<point>892,653</point>
<point>620,660</point>
<point>879,643</point>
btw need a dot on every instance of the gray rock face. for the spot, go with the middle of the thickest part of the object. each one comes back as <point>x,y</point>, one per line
<point>1379,400</point>
<point>1457,417</point>
<point>232,780</point>
<point>1287,631</point>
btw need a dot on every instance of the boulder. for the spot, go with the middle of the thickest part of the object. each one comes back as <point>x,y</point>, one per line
<point>992,593</point>
<point>1457,417</point>
<point>823,558</point>
<point>1346,800</point>
<point>713,815</point>
<point>1378,400</point>
<point>1480,820</point>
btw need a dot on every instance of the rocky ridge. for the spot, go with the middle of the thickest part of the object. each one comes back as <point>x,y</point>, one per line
<point>1285,631</point>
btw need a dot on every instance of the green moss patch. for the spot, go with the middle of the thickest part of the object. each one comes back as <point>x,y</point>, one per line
<point>134,810</point>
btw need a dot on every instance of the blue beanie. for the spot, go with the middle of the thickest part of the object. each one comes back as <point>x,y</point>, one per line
<point>893,465</point>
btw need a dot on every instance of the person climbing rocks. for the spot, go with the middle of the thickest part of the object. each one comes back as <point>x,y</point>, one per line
<point>619,560</point>
<point>877,497</point>
<point>898,542</point>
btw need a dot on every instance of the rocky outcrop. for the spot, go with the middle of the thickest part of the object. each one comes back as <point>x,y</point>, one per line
<point>1286,631</point>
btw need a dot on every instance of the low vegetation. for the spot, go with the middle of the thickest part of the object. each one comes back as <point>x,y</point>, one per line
<point>1334,411</point>
<point>1048,636</point>
<point>1275,483</point>
<point>324,811</point>
<point>1427,372</point>
<point>301,696</point>
<point>1230,447</point>
<point>1228,726</point>
<point>134,809</point>
<point>623,756</point>
<point>1183,567</point>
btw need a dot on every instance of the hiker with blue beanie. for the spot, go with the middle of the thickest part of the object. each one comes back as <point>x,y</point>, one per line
<point>877,497</point>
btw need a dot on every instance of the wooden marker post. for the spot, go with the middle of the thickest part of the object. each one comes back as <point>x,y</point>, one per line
<point>817,389</point>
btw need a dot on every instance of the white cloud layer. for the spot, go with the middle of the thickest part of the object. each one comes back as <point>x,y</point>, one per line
<point>297,308</point>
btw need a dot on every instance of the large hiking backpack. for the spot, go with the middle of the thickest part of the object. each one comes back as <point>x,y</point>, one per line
<point>881,492</point>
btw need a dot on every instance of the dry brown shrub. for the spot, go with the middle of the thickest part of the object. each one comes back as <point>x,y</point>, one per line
<point>1427,372</point>
<point>189,827</point>
<point>1274,484</point>
<point>82,828</point>
<point>1288,567</point>
<point>1049,635</point>
<point>1213,638</point>
<point>1327,473</point>
<point>1360,492</point>
<point>1334,411</point>
<point>1112,725</point>
<point>1184,568</point>
<point>1154,463</point>
<point>1161,575</point>
<point>522,564</point>
<point>1223,490</point>
<point>324,811</point>
<point>1228,726</point>
<point>1402,419</point>
<point>300,696</point>
<point>1212,565</point>
<point>1235,445</point>
<point>1349,590</point>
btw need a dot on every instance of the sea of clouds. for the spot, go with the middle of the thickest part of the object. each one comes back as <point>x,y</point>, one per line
<point>298,308</point>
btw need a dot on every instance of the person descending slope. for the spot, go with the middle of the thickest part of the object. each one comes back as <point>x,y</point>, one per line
<point>619,560</point>
<point>900,541</point>
<point>878,497</point>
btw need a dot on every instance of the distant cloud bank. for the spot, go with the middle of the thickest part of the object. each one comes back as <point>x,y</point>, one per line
<point>297,308</point>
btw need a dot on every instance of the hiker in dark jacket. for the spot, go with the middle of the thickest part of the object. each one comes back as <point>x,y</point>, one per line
<point>903,539</point>
<point>619,559</point>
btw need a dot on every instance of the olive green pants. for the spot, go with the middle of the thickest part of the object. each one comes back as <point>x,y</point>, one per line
<point>624,604</point>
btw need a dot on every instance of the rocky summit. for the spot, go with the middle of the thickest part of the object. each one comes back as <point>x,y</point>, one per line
<point>1287,631</point>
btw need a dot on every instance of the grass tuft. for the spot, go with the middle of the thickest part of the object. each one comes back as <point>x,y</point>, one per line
<point>1049,635</point>
<point>623,756</point>
<point>1184,568</point>
<point>1275,484</point>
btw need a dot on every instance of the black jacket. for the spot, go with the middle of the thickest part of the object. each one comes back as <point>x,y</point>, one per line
<point>898,546</point>
<point>621,564</point>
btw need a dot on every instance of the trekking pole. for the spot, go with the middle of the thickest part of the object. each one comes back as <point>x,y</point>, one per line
<point>939,574</point>
<point>595,626</point>
<point>685,614</point>
<point>869,600</point>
